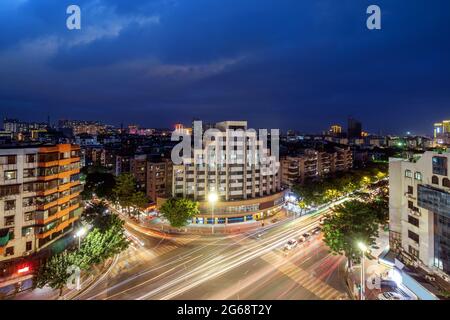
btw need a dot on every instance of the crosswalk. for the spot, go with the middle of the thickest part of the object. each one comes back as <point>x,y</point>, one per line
<point>305,279</point>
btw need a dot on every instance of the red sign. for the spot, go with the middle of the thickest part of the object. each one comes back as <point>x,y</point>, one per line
<point>23,269</point>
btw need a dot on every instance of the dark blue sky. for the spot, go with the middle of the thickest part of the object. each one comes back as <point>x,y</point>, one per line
<point>301,64</point>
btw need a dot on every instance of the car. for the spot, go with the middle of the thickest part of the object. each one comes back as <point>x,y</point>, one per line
<point>390,296</point>
<point>291,244</point>
<point>316,230</point>
<point>304,237</point>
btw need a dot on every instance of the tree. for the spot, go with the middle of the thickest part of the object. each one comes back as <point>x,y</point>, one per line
<point>54,272</point>
<point>124,190</point>
<point>179,210</point>
<point>103,243</point>
<point>350,223</point>
<point>139,200</point>
<point>302,205</point>
<point>94,212</point>
<point>99,183</point>
<point>331,195</point>
<point>380,206</point>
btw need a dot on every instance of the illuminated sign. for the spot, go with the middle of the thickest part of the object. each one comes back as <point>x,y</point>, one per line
<point>23,270</point>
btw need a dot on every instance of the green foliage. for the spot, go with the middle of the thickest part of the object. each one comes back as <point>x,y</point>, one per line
<point>178,210</point>
<point>350,223</point>
<point>139,200</point>
<point>100,245</point>
<point>125,189</point>
<point>105,240</point>
<point>54,271</point>
<point>330,188</point>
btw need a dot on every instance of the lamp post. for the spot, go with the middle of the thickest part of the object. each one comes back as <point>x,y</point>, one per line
<point>79,234</point>
<point>363,249</point>
<point>212,198</point>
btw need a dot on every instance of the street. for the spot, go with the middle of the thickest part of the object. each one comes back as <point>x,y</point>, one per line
<point>240,266</point>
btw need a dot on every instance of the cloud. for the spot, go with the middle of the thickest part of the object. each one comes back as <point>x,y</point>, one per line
<point>100,21</point>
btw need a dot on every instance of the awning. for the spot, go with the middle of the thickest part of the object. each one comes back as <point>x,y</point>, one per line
<point>4,237</point>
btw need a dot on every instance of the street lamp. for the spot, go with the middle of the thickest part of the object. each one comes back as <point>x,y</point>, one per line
<point>81,232</point>
<point>363,249</point>
<point>212,198</point>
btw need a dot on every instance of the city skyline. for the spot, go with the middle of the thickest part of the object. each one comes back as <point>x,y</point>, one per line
<point>301,66</point>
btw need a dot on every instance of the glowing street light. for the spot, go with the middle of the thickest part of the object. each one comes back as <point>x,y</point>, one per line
<point>362,246</point>
<point>363,249</point>
<point>81,232</point>
<point>212,198</point>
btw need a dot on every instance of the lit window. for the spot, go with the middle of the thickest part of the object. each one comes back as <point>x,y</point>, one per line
<point>10,175</point>
<point>408,173</point>
<point>418,176</point>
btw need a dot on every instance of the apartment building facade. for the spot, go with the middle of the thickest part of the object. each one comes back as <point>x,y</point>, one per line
<point>138,168</point>
<point>419,209</point>
<point>442,133</point>
<point>159,178</point>
<point>39,197</point>
<point>246,190</point>
<point>313,164</point>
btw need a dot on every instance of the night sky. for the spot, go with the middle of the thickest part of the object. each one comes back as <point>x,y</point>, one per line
<point>300,64</point>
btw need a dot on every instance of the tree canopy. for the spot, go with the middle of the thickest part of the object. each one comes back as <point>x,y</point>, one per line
<point>351,222</point>
<point>179,210</point>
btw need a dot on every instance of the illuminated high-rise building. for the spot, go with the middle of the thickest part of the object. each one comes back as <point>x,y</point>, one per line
<point>39,199</point>
<point>442,132</point>
<point>336,130</point>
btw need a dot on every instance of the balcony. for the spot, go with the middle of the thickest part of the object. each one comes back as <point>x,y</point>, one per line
<point>58,227</point>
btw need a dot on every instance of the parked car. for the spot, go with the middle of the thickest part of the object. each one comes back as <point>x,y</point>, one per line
<point>291,244</point>
<point>390,296</point>
<point>316,230</point>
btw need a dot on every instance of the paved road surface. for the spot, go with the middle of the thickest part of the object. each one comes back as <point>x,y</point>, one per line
<point>242,266</point>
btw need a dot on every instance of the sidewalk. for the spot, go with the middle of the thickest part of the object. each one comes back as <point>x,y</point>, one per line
<point>378,276</point>
<point>159,226</point>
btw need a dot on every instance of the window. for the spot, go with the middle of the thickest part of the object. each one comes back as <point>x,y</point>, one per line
<point>408,173</point>
<point>434,180</point>
<point>440,166</point>
<point>9,190</point>
<point>446,182</point>
<point>10,174</point>
<point>11,160</point>
<point>27,231</point>
<point>28,201</point>
<point>410,190</point>
<point>413,236</point>
<point>28,216</point>
<point>29,173</point>
<point>414,221</point>
<point>418,176</point>
<point>9,251</point>
<point>10,204</point>
<point>410,205</point>
<point>28,246</point>
<point>31,158</point>
<point>9,220</point>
